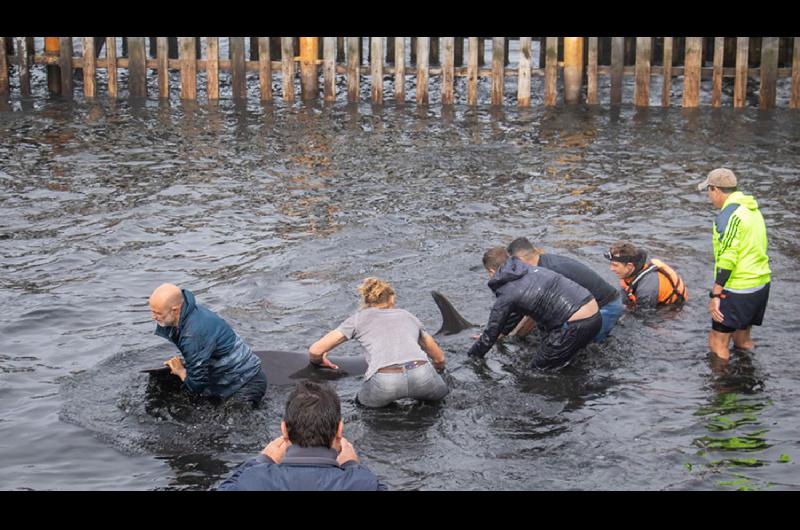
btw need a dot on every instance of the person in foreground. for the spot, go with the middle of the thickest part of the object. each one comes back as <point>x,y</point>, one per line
<point>566,313</point>
<point>214,360</point>
<point>645,283</point>
<point>311,454</point>
<point>397,349</point>
<point>607,296</point>
<point>742,275</point>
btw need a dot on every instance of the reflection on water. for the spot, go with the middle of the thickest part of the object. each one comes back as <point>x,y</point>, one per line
<point>274,214</point>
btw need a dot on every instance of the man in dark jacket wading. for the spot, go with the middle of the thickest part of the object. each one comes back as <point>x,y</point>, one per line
<point>310,454</point>
<point>566,313</point>
<point>216,361</point>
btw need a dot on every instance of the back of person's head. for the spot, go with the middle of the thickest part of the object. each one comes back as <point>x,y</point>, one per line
<point>523,248</point>
<point>312,414</point>
<point>495,257</point>
<point>375,292</point>
<point>628,253</point>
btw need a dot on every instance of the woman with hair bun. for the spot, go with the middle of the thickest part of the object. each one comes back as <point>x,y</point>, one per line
<point>397,349</point>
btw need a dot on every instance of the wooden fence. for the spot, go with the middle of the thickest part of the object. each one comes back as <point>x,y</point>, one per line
<point>584,61</point>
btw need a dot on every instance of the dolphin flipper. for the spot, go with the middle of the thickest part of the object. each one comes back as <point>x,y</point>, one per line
<point>452,321</point>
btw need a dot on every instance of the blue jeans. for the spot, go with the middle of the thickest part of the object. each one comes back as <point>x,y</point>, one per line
<point>610,313</point>
<point>423,383</point>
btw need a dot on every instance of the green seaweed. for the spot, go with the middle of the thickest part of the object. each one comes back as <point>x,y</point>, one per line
<point>784,459</point>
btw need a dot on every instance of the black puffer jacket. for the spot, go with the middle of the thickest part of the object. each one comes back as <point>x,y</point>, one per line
<point>547,297</point>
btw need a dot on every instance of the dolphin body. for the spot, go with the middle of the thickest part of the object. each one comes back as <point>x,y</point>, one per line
<point>286,367</point>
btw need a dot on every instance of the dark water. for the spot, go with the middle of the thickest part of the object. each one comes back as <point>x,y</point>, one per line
<point>272,216</point>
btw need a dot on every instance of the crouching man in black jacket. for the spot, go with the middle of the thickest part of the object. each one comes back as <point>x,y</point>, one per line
<point>566,313</point>
<point>311,454</point>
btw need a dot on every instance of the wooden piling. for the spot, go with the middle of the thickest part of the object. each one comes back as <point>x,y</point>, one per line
<point>498,70</point>
<point>162,56</point>
<point>51,45</point>
<point>481,51</point>
<point>716,83</point>
<point>65,61</point>
<point>265,68</point>
<point>111,66</point>
<point>238,72</point>
<point>187,56</point>
<point>769,72</point>
<point>340,49</point>
<point>389,50</point>
<point>573,69</point>
<point>794,102</point>
<point>641,90</point>
<point>309,75</point>
<point>423,55</point>
<point>413,51</point>
<point>617,68</point>
<point>24,66</point>
<point>400,70</point>
<point>524,77</point>
<point>89,68</point>
<point>376,69</point>
<point>137,72</point>
<point>691,72</point>
<point>472,70</point>
<point>666,86</point>
<point>551,71</point>
<point>353,70</point>
<point>4,85</point>
<point>433,57</point>
<point>212,67</point>
<point>287,68</point>
<point>329,68</point>
<point>740,82</point>
<point>591,71</point>
<point>448,70</point>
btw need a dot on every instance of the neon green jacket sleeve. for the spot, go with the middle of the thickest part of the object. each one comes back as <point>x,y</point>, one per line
<point>740,242</point>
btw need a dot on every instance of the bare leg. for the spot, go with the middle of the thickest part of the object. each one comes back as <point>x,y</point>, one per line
<point>718,343</point>
<point>742,340</point>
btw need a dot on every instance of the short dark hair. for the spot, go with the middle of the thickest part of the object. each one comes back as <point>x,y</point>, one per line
<point>725,190</point>
<point>494,257</point>
<point>521,246</point>
<point>312,414</point>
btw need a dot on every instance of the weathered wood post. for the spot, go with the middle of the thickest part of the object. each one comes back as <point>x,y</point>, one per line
<point>353,69</point>
<point>4,88</point>
<point>617,68</point>
<point>472,71</point>
<point>137,70</point>
<point>524,77</point>
<point>65,60</point>
<point>162,57</point>
<point>376,69</point>
<point>448,70</point>
<point>641,91</point>
<point>769,72</point>
<point>309,81</point>
<point>51,47</point>
<point>188,68</point>
<point>719,58</point>
<point>287,68</point>
<point>400,70</point>
<point>238,70</point>
<point>591,71</point>
<point>740,82</point>
<point>794,103</point>
<point>423,56</point>
<point>212,68</point>
<point>89,78</point>
<point>551,72</point>
<point>329,68</point>
<point>573,69</point>
<point>498,71</point>
<point>666,87</point>
<point>691,72</point>
<point>24,69</point>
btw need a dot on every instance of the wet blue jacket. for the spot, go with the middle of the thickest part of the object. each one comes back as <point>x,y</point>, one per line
<point>302,469</point>
<point>217,361</point>
<point>547,297</point>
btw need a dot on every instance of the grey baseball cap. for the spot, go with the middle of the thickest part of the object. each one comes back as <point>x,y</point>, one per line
<point>720,178</point>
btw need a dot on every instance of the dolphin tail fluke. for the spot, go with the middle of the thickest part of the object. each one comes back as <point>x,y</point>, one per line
<point>452,321</point>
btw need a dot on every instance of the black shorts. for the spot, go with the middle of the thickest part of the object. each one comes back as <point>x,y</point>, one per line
<point>741,310</point>
<point>560,345</point>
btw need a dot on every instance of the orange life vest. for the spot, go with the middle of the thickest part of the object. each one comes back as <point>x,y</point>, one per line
<point>671,288</point>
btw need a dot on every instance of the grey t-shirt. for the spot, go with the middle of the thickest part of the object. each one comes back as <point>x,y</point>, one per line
<point>390,336</point>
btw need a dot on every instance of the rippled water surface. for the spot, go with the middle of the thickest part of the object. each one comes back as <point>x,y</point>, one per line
<point>272,216</point>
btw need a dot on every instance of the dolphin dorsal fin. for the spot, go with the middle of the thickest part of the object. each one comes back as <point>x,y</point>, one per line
<point>452,321</point>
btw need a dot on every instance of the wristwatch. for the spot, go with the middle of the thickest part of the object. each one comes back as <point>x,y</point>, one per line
<point>712,295</point>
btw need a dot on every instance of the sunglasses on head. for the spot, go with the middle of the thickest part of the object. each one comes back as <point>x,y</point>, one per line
<point>621,259</point>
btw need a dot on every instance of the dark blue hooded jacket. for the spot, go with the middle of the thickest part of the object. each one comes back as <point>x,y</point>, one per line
<point>217,361</point>
<point>547,297</point>
<point>302,469</point>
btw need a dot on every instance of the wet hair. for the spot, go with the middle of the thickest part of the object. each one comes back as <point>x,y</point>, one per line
<point>628,250</point>
<point>522,247</point>
<point>494,257</point>
<point>375,292</point>
<point>312,414</point>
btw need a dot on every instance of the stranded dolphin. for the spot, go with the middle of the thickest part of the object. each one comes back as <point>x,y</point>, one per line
<point>285,367</point>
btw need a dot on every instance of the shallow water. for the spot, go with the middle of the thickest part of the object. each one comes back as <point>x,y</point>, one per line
<point>272,216</point>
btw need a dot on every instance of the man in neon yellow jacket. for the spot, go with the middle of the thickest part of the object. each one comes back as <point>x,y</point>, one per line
<point>741,265</point>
